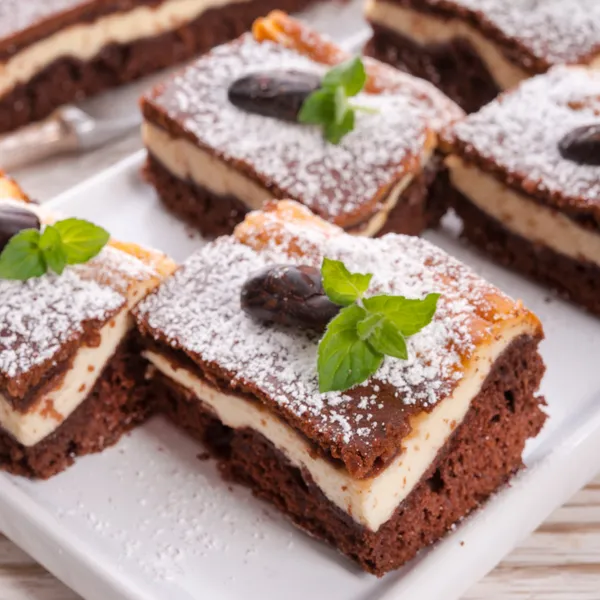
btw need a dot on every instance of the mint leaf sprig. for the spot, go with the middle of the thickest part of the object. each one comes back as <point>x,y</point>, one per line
<point>330,106</point>
<point>366,330</point>
<point>31,253</point>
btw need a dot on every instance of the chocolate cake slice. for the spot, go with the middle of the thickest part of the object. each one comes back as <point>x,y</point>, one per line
<point>527,172</point>
<point>71,377</point>
<point>212,161</point>
<point>53,52</point>
<point>473,49</point>
<point>387,467</point>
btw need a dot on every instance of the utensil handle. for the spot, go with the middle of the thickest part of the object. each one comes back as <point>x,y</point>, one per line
<point>36,142</point>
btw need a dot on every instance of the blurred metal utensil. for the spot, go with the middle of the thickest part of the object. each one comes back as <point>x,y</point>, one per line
<point>68,129</point>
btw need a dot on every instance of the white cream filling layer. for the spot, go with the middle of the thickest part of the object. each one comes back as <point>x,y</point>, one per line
<point>86,40</point>
<point>188,162</point>
<point>424,29</point>
<point>524,217</point>
<point>54,407</point>
<point>370,502</point>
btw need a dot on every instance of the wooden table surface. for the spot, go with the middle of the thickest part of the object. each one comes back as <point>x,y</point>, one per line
<point>560,561</point>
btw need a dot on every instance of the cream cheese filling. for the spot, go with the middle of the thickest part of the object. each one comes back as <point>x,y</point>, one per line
<point>84,41</point>
<point>524,217</point>
<point>189,162</point>
<point>370,502</point>
<point>424,29</point>
<point>54,407</point>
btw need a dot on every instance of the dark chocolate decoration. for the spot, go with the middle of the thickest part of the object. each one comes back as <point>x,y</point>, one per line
<point>582,145</point>
<point>14,219</point>
<point>289,295</point>
<point>278,94</point>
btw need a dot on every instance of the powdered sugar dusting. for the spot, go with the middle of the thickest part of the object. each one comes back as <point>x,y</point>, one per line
<point>290,159</point>
<point>556,31</point>
<point>38,316</point>
<point>199,311</point>
<point>118,269</point>
<point>521,130</point>
<point>17,15</point>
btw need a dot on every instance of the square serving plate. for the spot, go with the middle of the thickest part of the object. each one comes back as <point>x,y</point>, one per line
<point>149,520</point>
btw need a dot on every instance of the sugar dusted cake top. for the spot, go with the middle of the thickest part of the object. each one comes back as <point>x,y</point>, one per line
<point>551,32</point>
<point>342,183</point>
<point>16,15</point>
<point>44,320</point>
<point>517,136</point>
<point>198,312</point>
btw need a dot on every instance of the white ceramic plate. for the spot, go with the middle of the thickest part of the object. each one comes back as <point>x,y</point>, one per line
<point>148,520</point>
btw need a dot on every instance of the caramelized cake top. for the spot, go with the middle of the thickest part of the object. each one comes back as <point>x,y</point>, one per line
<point>343,183</point>
<point>197,315</point>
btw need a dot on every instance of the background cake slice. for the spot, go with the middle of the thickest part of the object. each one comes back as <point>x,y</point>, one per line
<point>212,161</point>
<point>380,470</point>
<point>527,171</point>
<point>71,377</point>
<point>473,49</point>
<point>53,52</point>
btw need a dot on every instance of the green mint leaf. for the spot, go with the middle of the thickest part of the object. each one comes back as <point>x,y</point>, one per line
<point>407,315</point>
<point>341,286</point>
<point>318,108</point>
<point>386,339</point>
<point>367,327</point>
<point>334,132</point>
<point>349,75</point>
<point>22,258</point>
<point>344,360</point>
<point>81,240</point>
<point>383,336</point>
<point>329,106</point>
<point>341,108</point>
<point>369,110</point>
<point>52,250</point>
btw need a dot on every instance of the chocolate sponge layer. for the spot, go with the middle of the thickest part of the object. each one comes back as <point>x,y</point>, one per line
<point>483,453</point>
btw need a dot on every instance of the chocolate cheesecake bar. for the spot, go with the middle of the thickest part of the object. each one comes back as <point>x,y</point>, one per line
<point>212,161</point>
<point>53,52</point>
<point>72,380</point>
<point>473,49</point>
<point>527,172</point>
<point>382,469</point>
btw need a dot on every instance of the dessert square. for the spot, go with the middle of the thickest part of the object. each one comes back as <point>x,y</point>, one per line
<point>53,52</point>
<point>387,467</point>
<point>474,49</point>
<point>72,380</point>
<point>527,172</point>
<point>211,161</point>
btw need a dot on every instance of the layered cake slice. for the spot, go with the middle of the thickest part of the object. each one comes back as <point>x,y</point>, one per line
<point>53,52</point>
<point>71,377</point>
<point>473,49</point>
<point>225,135</point>
<point>379,456</point>
<point>527,169</point>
